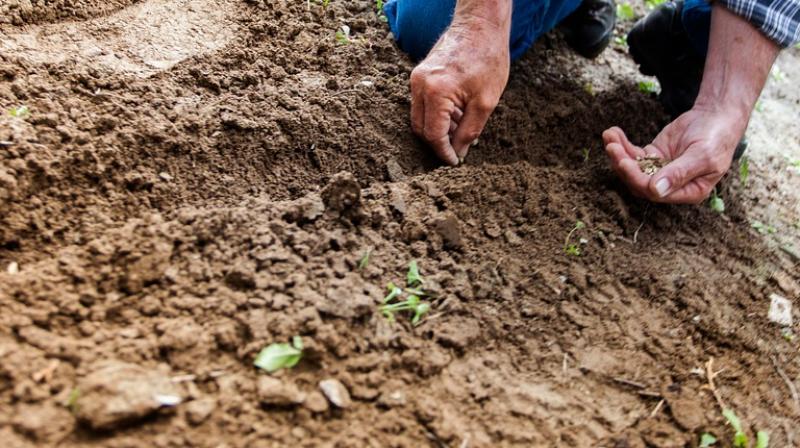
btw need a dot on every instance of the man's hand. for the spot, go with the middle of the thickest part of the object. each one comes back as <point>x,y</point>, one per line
<point>699,144</point>
<point>456,88</point>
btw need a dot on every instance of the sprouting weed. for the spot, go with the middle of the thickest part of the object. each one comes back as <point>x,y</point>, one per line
<point>648,87</point>
<point>759,106</point>
<point>740,439</point>
<point>777,74</point>
<point>653,4</point>
<point>716,203</point>
<point>413,292</point>
<point>343,35</point>
<point>585,152</point>
<point>72,400</point>
<point>589,88</point>
<point>20,112</point>
<point>625,11</point>
<point>621,40</point>
<point>280,356</point>
<point>381,14</point>
<point>364,261</point>
<point>763,228</point>
<point>706,440</point>
<point>744,170</point>
<point>573,248</point>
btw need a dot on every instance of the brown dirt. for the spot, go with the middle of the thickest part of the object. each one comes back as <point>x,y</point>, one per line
<point>172,205</point>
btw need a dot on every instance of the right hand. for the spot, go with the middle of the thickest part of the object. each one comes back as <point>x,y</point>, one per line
<point>458,85</point>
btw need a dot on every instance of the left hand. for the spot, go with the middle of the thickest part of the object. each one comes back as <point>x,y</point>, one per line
<point>698,147</point>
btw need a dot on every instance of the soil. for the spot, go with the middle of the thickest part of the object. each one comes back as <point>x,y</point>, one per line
<point>199,179</point>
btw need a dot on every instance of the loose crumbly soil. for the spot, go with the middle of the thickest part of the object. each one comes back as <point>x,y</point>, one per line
<point>172,203</point>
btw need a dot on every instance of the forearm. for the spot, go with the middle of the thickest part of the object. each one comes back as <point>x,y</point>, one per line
<point>737,65</point>
<point>484,15</point>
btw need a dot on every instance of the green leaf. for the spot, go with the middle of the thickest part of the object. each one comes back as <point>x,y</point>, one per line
<point>343,35</point>
<point>653,4</point>
<point>364,262</point>
<point>744,170</point>
<point>706,440</point>
<point>648,87</point>
<point>585,152</point>
<point>579,225</point>
<point>413,278</point>
<point>422,308</point>
<point>625,11</point>
<point>621,40</point>
<point>716,203</point>
<point>72,400</point>
<point>19,112</point>
<point>394,291</point>
<point>573,249</point>
<point>739,437</point>
<point>762,439</point>
<point>297,342</point>
<point>279,356</point>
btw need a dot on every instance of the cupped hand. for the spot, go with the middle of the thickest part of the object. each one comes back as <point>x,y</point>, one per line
<point>456,88</point>
<point>698,148</point>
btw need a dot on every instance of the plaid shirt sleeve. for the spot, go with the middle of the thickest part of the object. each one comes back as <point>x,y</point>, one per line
<point>777,19</point>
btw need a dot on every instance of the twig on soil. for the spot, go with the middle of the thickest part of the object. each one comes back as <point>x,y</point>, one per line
<point>630,383</point>
<point>710,375</point>
<point>564,365</point>
<point>788,381</point>
<point>658,408</point>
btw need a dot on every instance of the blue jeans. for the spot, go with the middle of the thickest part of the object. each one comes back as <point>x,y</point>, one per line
<point>418,24</point>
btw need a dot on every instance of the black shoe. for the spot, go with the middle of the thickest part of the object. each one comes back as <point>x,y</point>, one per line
<point>661,47</point>
<point>588,29</point>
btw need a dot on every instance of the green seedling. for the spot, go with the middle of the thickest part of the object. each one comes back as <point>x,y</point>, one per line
<point>413,293</point>
<point>653,4</point>
<point>763,228</point>
<point>364,261</point>
<point>381,15</point>
<point>20,112</point>
<point>744,170</point>
<point>625,11</point>
<point>787,334</point>
<point>413,278</point>
<point>621,40</point>
<point>573,248</point>
<point>280,356</point>
<point>740,439</point>
<point>716,203</point>
<point>706,440</point>
<point>343,35</point>
<point>589,88</point>
<point>759,106</point>
<point>585,152</point>
<point>794,163</point>
<point>72,400</point>
<point>323,3</point>
<point>648,87</point>
<point>777,74</point>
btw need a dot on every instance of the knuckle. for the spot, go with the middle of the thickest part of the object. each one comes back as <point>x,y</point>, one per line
<point>485,105</point>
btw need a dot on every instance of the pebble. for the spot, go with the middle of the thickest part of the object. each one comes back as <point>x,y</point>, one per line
<point>335,392</point>
<point>198,411</point>
<point>272,391</point>
<point>316,402</point>
<point>780,310</point>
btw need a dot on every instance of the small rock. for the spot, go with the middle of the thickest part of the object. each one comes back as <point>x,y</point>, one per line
<point>512,238</point>
<point>336,393</point>
<point>342,192</point>
<point>165,176</point>
<point>117,393</point>
<point>396,200</point>
<point>13,268</point>
<point>316,402</point>
<point>198,411</point>
<point>780,310</point>
<point>394,171</point>
<point>272,391</point>
<point>449,229</point>
<point>392,399</point>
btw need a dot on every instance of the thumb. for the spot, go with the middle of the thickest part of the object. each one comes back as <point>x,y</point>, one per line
<point>676,175</point>
<point>475,117</point>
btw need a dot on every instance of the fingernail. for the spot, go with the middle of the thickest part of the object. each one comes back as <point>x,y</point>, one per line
<point>662,187</point>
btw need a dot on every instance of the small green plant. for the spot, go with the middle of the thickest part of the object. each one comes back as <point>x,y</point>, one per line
<point>744,170</point>
<point>392,303</point>
<point>364,261</point>
<point>280,356</point>
<point>706,440</point>
<point>573,248</point>
<point>625,11</point>
<point>72,400</point>
<point>381,14</point>
<point>777,74</point>
<point>759,106</point>
<point>716,203</point>
<point>648,87</point>
<point>740,439</point>
<point>653,4</point>
<point>585,152</point>
<point>343,35</point>
<point>787,334</point>
<point>20,112</point>
<point>794,163</point>
<point>589,88</point>
<point>621,40</point>
<point>762,228</point>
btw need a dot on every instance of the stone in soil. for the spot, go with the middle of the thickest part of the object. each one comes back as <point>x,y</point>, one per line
<point>117,393</point>
<point>336,392</point>
<point>275,392</point>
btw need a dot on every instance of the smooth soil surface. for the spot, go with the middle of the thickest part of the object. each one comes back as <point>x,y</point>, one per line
<point>198,179</point>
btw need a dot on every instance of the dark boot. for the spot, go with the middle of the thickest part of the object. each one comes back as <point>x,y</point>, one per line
<point>589,28</point>
<point>660,45</point>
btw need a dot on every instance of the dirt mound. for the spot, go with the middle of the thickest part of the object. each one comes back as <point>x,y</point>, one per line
<point>20,12</point>
<point>163,225</point>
